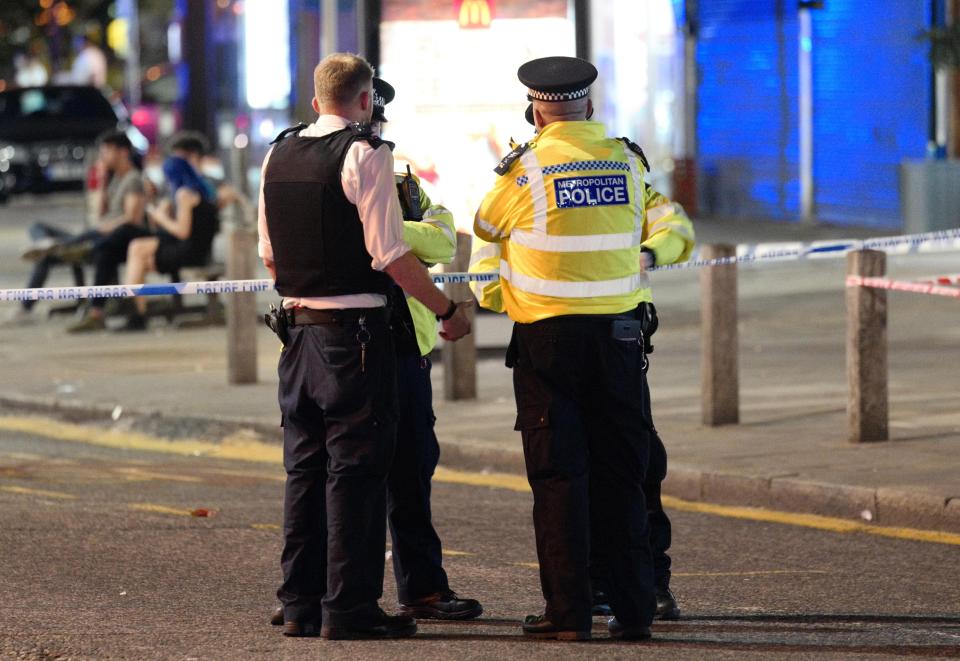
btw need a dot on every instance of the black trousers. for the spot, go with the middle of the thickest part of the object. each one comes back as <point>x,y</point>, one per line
<point>659,522</point>
<point>417,552</point>
<point>582,409</point>
<point>339,421</point>
<point>41,269</point>
<point>109,252</point>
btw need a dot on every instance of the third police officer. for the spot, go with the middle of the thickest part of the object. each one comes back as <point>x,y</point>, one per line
<point>577,227</point>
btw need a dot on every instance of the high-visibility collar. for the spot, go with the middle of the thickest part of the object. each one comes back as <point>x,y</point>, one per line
<point>580,130</point>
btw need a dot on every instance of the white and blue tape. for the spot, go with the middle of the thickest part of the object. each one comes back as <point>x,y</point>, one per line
<point>940,241</point>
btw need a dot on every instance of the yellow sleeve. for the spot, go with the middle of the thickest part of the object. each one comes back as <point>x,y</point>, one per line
<point>668,231</point>
<point>486,259</point>
<point>434,239</point>
<point>503,206</point>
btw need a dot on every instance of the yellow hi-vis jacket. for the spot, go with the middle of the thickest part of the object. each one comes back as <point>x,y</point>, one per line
<point>434,241</point>
<point>570,214</point>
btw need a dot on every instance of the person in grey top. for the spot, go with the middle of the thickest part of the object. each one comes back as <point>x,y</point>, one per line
<point>121,220</point>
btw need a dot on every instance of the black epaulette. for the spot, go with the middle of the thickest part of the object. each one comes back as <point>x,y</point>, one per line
<point>364,131</point>
<point>635,148</point>
<point>504,166</point>
<point>285,132</point>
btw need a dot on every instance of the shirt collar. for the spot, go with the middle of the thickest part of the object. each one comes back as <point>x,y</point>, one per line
<point>326,124</point>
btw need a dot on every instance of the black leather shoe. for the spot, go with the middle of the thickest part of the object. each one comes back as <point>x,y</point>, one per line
<point>300,629</point>
<point>667,608</point>
<point>378,627</point>
<point>277,618</point>
<point>601,604</point>
<point>538,626</point>
<point>621,632</point>
<point>443,606</point>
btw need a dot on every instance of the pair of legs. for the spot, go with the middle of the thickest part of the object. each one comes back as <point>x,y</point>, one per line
<point>41,270</point>
<point>586,439</point>
<point>339,420</point>
<point>417,553</point>
<point>141,260</point>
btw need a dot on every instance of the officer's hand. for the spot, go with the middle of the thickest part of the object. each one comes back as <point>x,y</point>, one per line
<point>646,261</point>
<point>459,324</point>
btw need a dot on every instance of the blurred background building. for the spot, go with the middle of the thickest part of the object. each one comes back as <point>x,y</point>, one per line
<point>791,110</point>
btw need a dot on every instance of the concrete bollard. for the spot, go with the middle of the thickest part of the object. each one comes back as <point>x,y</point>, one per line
<point>241,309</point>
<point>460,358</point>
<point>867,397</point>
<point>719,363</point>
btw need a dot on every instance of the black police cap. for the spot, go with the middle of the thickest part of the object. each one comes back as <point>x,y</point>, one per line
<point>557,78</point>
<point>383,94</point>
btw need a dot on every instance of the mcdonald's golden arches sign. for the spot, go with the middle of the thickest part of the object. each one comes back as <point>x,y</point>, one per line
<point>474,13</point>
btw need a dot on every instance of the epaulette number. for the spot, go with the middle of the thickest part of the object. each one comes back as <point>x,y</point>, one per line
<point>504,166</point>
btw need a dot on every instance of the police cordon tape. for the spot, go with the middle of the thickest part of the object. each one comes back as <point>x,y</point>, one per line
<point>903,285</point>
<point>943,240</point>
<point>187,288</point>
<point>939,241</point>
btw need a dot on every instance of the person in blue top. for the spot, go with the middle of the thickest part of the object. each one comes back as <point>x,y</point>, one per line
<point>185,223</point>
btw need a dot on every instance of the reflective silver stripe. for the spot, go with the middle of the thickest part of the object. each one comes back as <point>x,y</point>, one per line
<point>656,213</point>
<point>538,191</point>
<point>560,289</point>
<point>577,243</point>
<point>672,226</point>
<point>435,210</point>
<point>637,188</point>
<point>486,252</point>
<point>487,227</point>
<point>448,231</point>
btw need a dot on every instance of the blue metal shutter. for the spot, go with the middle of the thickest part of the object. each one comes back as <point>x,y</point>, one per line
<point>747,108</point>
<point>871,80</point>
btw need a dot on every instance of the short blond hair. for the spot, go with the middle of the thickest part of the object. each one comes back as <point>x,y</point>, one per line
<point>340,77</point>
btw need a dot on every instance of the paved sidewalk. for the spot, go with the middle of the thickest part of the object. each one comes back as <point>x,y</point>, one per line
<point>790,452</point>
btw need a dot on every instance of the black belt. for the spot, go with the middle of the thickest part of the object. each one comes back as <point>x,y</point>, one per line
<point>311,317</point>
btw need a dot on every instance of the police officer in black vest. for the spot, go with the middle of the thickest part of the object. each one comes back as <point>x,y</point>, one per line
<point>331,235</point>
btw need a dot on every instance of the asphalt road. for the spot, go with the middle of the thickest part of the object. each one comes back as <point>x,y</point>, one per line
<point>101,558</point>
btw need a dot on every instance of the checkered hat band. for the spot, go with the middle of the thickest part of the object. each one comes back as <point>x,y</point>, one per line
<point>378,100</point>
<point>558,96</point>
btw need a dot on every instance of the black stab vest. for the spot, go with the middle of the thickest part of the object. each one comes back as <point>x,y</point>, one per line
<point>316,233</point>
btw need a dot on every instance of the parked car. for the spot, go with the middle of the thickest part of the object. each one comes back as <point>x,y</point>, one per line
<point>48,136</point>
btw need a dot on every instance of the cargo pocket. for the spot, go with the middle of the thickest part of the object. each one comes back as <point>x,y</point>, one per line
<point>530,418</point>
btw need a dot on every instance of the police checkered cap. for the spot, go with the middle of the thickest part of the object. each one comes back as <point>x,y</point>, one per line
<point>557,78</point>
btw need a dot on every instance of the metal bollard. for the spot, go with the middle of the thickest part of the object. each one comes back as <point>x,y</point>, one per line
<point>719,362</point>
<point>241,309</point>
<point>460,358</point>
<point>867,396</point>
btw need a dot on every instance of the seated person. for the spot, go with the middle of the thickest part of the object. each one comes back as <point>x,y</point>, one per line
<point>186,224</point>
<point>121,220</point>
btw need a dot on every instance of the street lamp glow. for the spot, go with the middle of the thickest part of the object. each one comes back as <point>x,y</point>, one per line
<point>266,31</point>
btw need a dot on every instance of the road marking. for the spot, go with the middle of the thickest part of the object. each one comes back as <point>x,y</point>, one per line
<point>828,523</point>
<point>493,480</point>
<point>767,572</point>
<point>528,565</point>
<point>259,452</point>
<point>456,554</point>
<point>132,474</point>
<point>160,509</point>
<point>37,492</point>
<point>230,448</point>
<point>265,526</point>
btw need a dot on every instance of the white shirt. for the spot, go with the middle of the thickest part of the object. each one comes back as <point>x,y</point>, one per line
<point>368,183</point>
<point>90,67</point>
